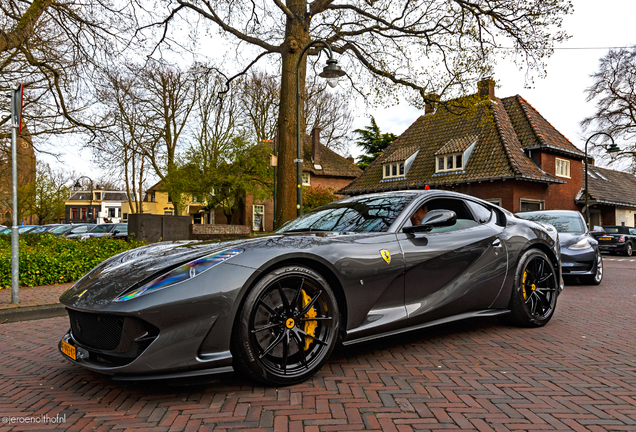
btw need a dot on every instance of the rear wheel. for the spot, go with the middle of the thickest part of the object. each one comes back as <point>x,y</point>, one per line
<point>629,250</point>
<point>596,278</point>
<point>287,327</point>
<point>534,293</point>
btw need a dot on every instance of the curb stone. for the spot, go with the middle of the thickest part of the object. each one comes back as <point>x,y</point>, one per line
<point>31,313</point>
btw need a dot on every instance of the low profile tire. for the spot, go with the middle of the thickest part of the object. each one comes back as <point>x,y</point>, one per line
<point>598,276</point>
<point>629,250</point>
<point>534,293</point>
<point>287,327</point>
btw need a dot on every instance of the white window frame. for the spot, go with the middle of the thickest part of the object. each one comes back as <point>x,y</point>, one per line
<point>168,213</point>
<point>305,179</point>
<point>562,167</point>
<point>395,170</point>
<point>532,201</point>
<point>258,209</point>
<point>454,166</point>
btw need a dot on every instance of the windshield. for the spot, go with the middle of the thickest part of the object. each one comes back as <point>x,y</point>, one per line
<point>60,229</point>
<point>102,229</point>
<point>563,222</point>
<point>373,213</point>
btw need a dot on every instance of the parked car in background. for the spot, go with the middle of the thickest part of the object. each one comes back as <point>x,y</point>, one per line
<point>77,230</point>
<point>119,230</point>
<point>22,229</point>
<point>617,239</point>
<point>580,254</point>
<point>43,229</point>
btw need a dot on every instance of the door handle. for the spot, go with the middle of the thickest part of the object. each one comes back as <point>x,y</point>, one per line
<point>496,243</point>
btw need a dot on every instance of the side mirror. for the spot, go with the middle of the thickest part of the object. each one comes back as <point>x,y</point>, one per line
<point>433,219</point>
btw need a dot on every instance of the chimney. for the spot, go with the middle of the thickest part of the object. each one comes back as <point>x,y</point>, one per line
<point>351,159</point>
<point>431,103</point>
<point>486,88</point>
<point>315,145</point>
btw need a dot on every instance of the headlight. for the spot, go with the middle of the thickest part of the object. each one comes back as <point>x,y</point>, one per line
<point>580,245</point>
<point>181,273</point>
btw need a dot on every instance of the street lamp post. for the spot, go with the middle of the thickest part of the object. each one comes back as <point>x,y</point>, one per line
<point>331,72</point>
<point>78,185</point>
<point>612,150</point>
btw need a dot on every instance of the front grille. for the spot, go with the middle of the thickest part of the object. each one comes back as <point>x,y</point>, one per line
<point>99,331</point>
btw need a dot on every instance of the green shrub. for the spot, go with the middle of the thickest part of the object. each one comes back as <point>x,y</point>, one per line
<point>47,259</point>
<point>317,196</point>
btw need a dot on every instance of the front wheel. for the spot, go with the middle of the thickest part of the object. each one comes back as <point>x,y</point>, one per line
<point>534,293</point>
<point>287,327</point>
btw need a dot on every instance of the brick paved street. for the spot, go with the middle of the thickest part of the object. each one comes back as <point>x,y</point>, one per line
<point>577,373</point>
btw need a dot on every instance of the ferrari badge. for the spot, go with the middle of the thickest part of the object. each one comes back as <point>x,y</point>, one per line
<point>386,255</point>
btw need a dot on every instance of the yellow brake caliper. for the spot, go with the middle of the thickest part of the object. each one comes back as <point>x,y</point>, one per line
<point>523,285</point>
<point>310,326</point>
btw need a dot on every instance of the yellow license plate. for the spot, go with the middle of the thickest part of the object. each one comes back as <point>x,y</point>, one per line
<point>69,350</point>
<point>604,238</point>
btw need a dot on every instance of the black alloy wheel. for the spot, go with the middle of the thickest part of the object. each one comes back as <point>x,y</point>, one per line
<point>287,327</point>
<point>597,277</point>
<point>535,290</point>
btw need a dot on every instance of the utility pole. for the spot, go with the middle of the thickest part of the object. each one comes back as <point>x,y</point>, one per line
<point>16,127</point>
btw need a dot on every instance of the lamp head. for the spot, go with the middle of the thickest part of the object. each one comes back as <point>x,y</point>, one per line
<point>332,72</point>
<point>77,184</point>
<point>613,149</point>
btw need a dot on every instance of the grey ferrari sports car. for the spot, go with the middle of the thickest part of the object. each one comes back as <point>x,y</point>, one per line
<point>274,307</point>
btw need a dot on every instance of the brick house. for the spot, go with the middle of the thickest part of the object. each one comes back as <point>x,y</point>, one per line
<point>500,150</point>
<point>612,197</point>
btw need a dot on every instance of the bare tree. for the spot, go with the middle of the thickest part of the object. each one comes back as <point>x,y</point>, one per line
<point>54,47</point>
<point>614,92</point>
<point>424,46</point>
<point>120,147</point>
<point>260,95</point>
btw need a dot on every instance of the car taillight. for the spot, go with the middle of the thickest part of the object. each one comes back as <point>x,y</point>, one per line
<point>622,239</point>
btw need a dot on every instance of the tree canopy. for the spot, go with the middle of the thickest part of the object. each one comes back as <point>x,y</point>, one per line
<point>373,142</point>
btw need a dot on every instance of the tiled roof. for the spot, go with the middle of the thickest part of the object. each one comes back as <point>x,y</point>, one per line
<point>400,154</point>
<point>456,145</point>
<point>498,154</point>
<point>607,186</point>
<point>115,196</point>
<point>533,130</point>
<point>332,163</point>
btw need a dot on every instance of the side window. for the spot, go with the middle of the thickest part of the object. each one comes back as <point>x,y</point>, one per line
<point>80,230</point>
<point>464,216</point>
<point>482,214</point>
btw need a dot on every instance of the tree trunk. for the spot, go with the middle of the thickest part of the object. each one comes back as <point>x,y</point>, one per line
<point>297,37</point>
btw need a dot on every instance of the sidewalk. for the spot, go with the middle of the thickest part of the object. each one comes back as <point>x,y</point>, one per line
<point>35,303</point>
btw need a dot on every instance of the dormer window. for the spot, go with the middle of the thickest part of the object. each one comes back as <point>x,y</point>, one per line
<point>454,155</point>
<point>451,162</point>
<point>397,164</point>
<point>392,170</point>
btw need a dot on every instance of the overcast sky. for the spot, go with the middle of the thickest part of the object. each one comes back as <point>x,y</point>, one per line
<point>560,97</point>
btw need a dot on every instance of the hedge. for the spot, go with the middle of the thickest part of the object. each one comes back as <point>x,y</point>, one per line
<point>47,259</point>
